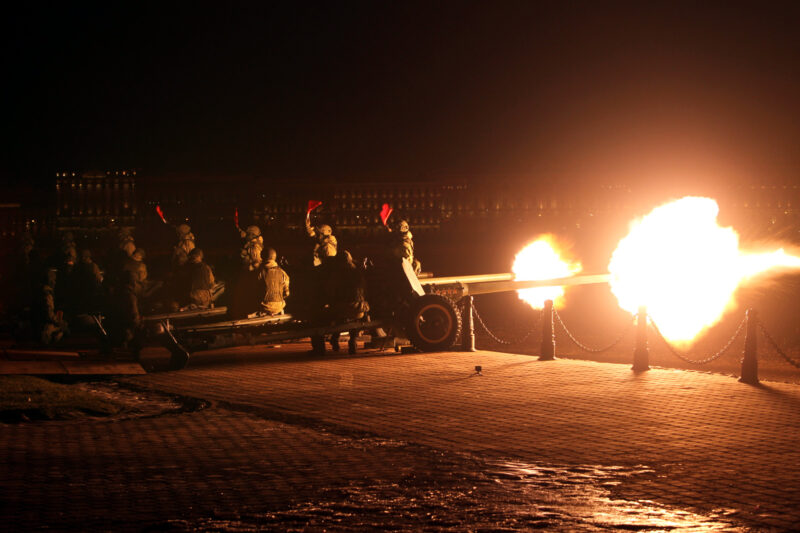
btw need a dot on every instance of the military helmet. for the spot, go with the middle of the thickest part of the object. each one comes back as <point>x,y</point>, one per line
<point>183,229</point>
<point>325,229</point>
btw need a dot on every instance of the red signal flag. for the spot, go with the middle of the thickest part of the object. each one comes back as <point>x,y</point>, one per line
<point>313,204</point>
<point>161,214</point>
<point>385,212</point>
<point>236,216</point>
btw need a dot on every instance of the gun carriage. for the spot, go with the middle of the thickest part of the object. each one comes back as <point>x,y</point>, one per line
<point>404,310</point>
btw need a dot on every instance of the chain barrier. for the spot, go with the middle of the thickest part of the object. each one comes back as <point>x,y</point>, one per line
<point>495,337</point>
<point>776,347</point>
<point>714,357</point>
<point>588,348</point>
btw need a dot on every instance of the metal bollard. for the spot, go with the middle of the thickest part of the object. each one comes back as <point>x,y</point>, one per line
<point>468,335</point>
<point>548,333</point>
<point>750,359</point>
<point>641,354</point>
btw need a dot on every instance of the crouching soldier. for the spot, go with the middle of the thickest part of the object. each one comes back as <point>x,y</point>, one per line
<point>276,285</point>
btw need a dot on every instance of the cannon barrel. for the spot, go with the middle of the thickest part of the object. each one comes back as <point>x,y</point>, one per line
<point>491,283</point>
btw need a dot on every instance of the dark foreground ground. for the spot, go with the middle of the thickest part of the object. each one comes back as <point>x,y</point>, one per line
<point>257,439</point>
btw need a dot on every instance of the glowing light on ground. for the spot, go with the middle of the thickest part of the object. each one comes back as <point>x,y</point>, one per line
<point>685,267</point>
<point>541,260</point>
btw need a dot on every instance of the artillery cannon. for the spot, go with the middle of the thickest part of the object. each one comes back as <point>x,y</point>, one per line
<point>403,310</point>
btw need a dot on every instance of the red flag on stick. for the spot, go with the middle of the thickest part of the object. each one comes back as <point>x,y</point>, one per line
<point>236,216</point>
<point>161,214</point>
<point>385,212</point>
<point>313,204</point>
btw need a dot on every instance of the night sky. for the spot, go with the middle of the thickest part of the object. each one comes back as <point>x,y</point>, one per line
<point>602,91</point>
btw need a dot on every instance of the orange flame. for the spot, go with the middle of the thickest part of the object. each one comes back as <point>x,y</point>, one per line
<point>541,260</point>
<point>684,267</point>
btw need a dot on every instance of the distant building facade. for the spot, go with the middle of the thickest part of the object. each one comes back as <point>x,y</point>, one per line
<point>95,202</point>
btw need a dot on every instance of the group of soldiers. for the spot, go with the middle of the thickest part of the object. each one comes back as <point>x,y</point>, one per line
<point>68,291</point>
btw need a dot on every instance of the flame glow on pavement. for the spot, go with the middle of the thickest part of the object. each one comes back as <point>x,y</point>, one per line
<point>685,267</point>
<point>541,259</point>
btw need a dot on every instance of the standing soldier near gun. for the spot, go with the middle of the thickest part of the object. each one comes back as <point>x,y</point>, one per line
<point>124,320</point>
<point>249,289</point>
<point>326,244</point>
<point>402,240</point>
<point>346,290</point>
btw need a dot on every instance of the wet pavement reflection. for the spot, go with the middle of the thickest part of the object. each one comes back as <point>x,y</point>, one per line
<point>465,493</point>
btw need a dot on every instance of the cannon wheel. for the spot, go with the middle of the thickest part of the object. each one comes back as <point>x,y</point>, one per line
<point>435,323</point>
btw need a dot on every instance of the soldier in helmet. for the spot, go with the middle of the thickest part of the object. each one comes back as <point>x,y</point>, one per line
<point>201,280</point>
<point>326,245</point>
<point>123,321</point>
<point>276,284</point>
<point>126,242</point>
<point>135,264</point>
<point>252,248</point>
<point>403,245</point>
<point>116,260</point>
<point>346,296</point>
<point>186,243</point>
<point>88,280</point>
<point>66,292</point>
<point>49,323</point>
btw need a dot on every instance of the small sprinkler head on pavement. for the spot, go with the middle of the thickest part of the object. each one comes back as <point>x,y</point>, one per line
<point>478,369</point>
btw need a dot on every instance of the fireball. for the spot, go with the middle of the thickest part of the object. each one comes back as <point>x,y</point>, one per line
<point>542,260</point>
<point>684,267</point>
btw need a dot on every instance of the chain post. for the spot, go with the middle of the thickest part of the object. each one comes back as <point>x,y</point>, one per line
<point>641,354</point>
<point>750,359</point>
<point>468,334</point>
<point>548,333</point>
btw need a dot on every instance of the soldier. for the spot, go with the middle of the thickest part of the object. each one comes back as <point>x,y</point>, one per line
<point>124,320</point>
<point>276,285</point>
<point>115,261</point>
<point>50,324</point>
<point>403,245</point>
<point>135,264</point>
<point>252,248</point>
<point>67,292</point>
<point>201,280</point>
<point>326,244</point>
<point>27,274</point>
<point>346,297</point>
<point>186,243</point>
<point>126,242</point>
<point>88,280</point>
<point>69,250</point>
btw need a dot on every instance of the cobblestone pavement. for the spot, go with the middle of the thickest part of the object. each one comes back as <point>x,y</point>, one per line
<point>419,441</point>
